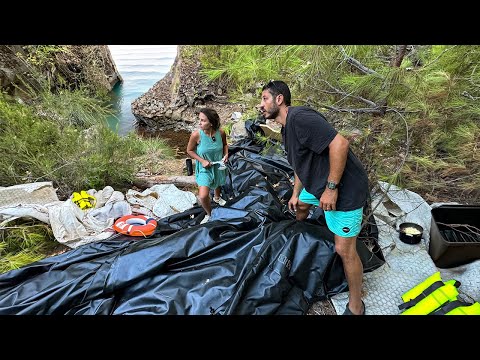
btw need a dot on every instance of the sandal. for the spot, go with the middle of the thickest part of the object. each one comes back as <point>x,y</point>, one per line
<point>349,312</point>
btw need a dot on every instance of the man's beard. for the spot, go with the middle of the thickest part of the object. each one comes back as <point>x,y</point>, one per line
<point>273,114</point>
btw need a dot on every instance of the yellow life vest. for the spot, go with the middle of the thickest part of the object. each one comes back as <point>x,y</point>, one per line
<point>429,295</point>
<point>434,300</point>
<point>458,307</point>
<point>420,288</point>
<point>84,200</point>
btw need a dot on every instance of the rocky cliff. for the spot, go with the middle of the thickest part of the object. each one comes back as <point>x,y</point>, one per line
<point>173,102</point>
<point>69,65</point>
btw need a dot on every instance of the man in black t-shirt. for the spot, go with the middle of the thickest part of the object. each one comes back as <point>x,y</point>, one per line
<point>327,174</point>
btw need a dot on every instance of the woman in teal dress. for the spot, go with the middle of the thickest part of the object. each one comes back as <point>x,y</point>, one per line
<point>207,145</point>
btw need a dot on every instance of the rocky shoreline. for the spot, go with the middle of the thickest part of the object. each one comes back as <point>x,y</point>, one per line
<point>173,102</point>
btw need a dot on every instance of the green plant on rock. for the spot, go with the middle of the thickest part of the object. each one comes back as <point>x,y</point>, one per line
<point>44,55</point>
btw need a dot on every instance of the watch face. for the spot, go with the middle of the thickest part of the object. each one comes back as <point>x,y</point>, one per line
<point>331,185</point>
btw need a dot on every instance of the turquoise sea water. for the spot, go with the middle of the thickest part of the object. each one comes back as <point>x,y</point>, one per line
<point>140,66</point>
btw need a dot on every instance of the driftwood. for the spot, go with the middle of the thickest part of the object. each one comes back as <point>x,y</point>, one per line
<point>144,182</point>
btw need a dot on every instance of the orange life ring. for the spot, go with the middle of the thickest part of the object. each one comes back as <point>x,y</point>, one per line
<point>135,225</point>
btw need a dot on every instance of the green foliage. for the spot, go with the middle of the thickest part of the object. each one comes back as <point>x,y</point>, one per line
<point>66,107</point>
<point>77,108</point>
<point>147,154</point>
<point>58,133</point>
<point>14,261</point>
<point>434,94</point>
<point>41,55</point>
<point>107,159</point>
<point>24,242</point>
<point>270,147</point>
<point>40,149</point>
<point>241,67</point>
<point>228,128</point>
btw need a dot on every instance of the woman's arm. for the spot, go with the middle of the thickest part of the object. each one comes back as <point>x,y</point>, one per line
<point>192,146</point>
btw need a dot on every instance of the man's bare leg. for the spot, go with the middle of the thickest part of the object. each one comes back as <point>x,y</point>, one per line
<point>352,265</point>
<point>302,210</point>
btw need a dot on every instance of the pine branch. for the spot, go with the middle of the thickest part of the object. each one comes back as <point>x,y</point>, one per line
<point>439,56</point>
<point>376,110</point>
<point>357,64</point>
<point>341,92</point>
<point>397,171</point>
<point>469,96</point>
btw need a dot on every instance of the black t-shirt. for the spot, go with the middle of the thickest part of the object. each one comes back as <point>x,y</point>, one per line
<point>306,137</point>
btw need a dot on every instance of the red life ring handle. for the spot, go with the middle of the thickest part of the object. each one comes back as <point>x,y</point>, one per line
<point>135,225</point>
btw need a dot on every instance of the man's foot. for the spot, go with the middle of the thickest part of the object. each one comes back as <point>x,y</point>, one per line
<point>219,201</point>
<point>349,312</point>
<point>205,219</point>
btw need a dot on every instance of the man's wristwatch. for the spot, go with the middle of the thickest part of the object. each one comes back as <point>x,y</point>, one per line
<point>332,185</point>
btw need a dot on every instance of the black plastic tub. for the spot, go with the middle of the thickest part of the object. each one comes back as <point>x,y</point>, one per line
<point>453,239</point>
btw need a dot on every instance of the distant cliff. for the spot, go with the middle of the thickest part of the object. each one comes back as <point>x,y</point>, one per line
<point>173,102</point>
<point>69,65</point>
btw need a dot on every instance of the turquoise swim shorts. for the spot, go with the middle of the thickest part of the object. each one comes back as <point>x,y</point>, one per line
<point>341,223</point>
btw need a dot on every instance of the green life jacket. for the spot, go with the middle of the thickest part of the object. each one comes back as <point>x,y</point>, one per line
<point>429,295</point>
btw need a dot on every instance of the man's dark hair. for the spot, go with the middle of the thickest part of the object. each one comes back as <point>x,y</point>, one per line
<point>212,116</point>
<point>277,87</point>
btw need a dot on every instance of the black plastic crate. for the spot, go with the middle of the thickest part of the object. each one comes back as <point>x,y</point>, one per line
<point>452,243</point>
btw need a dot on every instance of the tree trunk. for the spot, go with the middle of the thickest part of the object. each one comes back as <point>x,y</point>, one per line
<point>397,61</point>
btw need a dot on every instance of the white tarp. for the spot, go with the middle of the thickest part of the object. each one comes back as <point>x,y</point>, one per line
<point>161,200</point>
<point>26,200</point>
<point>71,226</point>
<point>74,227</point>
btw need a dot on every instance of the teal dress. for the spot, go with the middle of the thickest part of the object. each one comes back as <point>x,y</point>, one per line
<point>211,151</point>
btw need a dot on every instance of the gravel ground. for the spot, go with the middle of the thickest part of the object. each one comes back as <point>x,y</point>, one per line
<point>323,307</point>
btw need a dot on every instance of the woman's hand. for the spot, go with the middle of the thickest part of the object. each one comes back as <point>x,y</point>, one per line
<point>225,159</point>
<point>206,163</point>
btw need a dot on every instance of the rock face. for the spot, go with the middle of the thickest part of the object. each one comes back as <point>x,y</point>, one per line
<point>173,102</point>
<point>76,64</point>
<point>102,61</point>
<point>10,67</point>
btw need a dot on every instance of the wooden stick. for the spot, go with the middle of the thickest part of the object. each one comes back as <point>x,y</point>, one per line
<point>145,182</point>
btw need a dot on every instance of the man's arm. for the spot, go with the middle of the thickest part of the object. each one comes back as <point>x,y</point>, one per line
<point>338,151</point>
<point>297,188</point>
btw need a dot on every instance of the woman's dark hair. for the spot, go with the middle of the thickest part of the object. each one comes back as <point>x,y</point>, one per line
<point>212,116</point>
<point>277,87</point>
